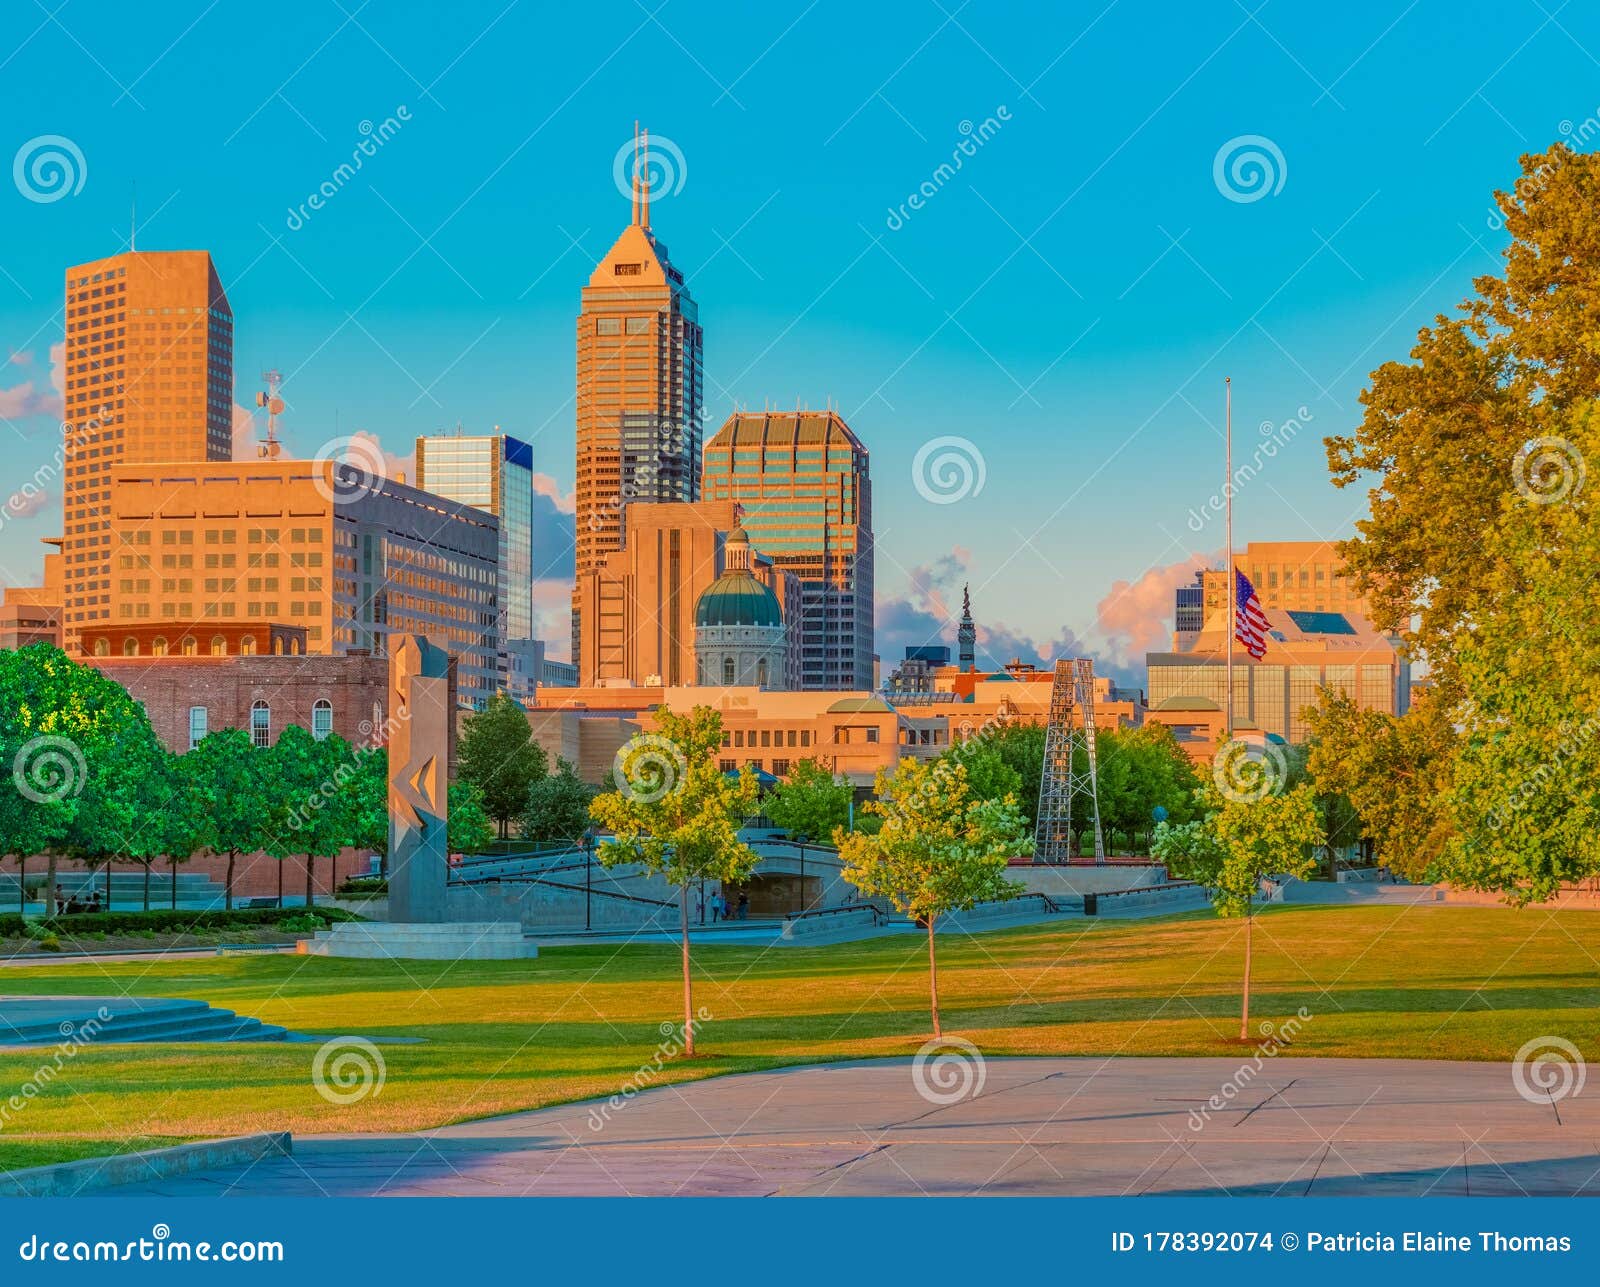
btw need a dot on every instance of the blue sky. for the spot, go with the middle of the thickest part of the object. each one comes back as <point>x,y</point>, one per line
<point>1067,301</point>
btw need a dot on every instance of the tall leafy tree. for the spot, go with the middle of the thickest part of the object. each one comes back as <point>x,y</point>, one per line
<point>811,803</point>
<point>311,811</point>
<point>230,779</point>
<point>942,848</point>
<point>1236,845</point>
<point>676,813</point>
<point>181,819</point>
<point>558,806</point>
<point>498,755</point>
<point>63,727</point>
<point>366,821</point>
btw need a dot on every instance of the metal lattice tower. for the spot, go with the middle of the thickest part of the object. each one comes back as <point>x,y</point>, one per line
<point>1071,719</point>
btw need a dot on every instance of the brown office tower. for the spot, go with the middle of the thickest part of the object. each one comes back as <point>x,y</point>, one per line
<point>149,377</point>
<point>805,495</point>
<point>639,388</point>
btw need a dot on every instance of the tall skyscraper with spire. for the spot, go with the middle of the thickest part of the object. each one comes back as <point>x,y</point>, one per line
<point>967,634</point>
<point>639,394</point>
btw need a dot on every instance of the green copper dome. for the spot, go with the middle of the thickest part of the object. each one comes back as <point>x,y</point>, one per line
<point>736,598</point>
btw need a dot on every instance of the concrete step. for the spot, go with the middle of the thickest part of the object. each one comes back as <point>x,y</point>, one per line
<point>51,1021</point>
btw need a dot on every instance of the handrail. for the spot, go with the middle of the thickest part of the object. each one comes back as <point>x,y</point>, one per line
<point>557,884</point>
<point>879,916</point>
<point>1141,889</point>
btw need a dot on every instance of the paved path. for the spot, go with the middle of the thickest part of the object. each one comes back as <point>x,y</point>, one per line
<point>1038,1126</point>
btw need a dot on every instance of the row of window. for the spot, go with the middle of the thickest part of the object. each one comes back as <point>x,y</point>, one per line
<point>261,722</point>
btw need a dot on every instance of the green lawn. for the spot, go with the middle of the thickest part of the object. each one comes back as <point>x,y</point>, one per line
<point>1426,982</point>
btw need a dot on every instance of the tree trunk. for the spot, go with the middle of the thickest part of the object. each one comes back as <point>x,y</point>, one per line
<point>933,981</point>
<point>147,867</point>
<point>1244,1008</point>
<point>227,896</point>
<point>108,884</point>
<point>50,886</point>
<point>311,883</point>
<point>174,882</point>
<point>688,986</point>
<point>22,884</point>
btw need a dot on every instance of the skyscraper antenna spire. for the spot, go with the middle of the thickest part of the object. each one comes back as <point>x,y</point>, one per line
<point>643,169</point>
<point>636,172</point>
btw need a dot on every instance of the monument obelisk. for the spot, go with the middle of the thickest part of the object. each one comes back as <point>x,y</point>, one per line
<point>420,925</point>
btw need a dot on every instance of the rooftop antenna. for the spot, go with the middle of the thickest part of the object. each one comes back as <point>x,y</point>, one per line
<point>636,172</point>
<point>642,175</point>
<point>269,399</point>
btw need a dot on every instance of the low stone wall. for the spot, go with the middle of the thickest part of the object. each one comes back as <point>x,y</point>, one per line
<point>67,1179</point>
<point>1068,882</point>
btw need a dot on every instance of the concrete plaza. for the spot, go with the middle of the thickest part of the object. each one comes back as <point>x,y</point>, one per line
<point>1080,1126</point>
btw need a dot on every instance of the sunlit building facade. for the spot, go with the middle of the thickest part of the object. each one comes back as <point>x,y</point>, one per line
<point>639,392</point>
<point>804,491</point>
<point>148,376</point>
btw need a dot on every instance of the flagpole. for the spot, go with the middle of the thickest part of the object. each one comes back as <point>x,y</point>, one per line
<point>1233,578</point>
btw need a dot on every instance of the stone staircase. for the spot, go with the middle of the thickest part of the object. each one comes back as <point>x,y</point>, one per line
<point>56,1021</point>
<point>127,887</point>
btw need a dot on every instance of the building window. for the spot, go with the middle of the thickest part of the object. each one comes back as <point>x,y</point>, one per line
<point>260,724</point>
<point>186,646</point>
<point>158,646</point>
<point>727,670</point>
<point>321,718</point>
<point>247,645</point>
<point>872,735</point>
<point>197,725</point>
<point>761,672</point>
<point>130,647</point>
<point>102,647</point>
<point>219,646</point>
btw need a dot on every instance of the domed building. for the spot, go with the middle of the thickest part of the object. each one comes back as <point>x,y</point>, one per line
<point>739,635</point>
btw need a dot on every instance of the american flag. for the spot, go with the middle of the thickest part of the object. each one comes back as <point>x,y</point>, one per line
<point>1249,621</point>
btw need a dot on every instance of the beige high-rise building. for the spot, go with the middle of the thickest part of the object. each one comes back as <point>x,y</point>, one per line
<point>1302,576</point>
<point>639,391</point>
<point>640,602</point>
<point>148,378</point>
<point>804,490</point>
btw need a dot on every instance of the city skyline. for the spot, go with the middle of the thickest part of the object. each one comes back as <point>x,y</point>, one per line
<point>1116,329</point>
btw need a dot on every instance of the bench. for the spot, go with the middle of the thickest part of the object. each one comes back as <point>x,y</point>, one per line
<point>251,904</point>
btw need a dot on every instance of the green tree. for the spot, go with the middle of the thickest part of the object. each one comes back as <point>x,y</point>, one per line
<point>1236,845</point>
<point>181,819</point>
<point>467,827</point>
<point>1021,745</point>
<point>498,755</point>
<point>232,795</point>
<point>63,727</point>
<point>1395,773</point>
<point>311,811</point>
<point>1524,794</point>
<point>941,848</point>
<point>558,807</point>
<point>989,776</point>
<point>676,813</point>
<point>811,803</point>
